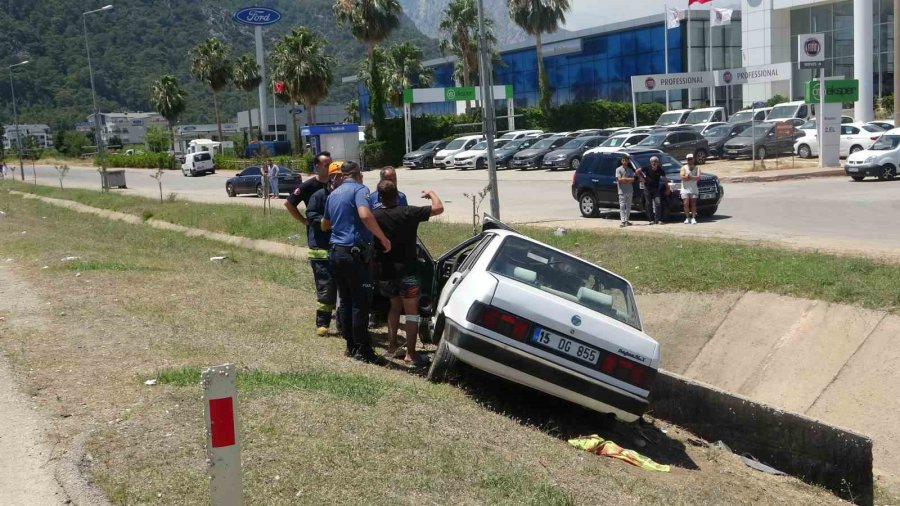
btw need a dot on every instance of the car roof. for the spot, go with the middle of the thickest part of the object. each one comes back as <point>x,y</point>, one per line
<point>679,110</point>
<point>467,137</point>
<point>705,109</point>
<point>630,151</point>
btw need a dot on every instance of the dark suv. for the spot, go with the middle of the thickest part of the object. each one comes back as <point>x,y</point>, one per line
<point>423,158</point>
<point>678,143</point>
<point>594,183</point>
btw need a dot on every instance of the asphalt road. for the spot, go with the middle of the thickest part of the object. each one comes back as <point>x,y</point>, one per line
<point>831,214</point>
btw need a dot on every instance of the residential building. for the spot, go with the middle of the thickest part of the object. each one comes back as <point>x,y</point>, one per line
<point>40,134</point>
<point>278,119</point>
<point>130,127</point>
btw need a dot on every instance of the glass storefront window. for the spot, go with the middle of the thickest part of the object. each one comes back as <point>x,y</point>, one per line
<point>821,19</point>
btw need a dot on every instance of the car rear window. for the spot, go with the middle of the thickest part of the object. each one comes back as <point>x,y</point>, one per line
<point>566,277</point>
<point>202,157</point>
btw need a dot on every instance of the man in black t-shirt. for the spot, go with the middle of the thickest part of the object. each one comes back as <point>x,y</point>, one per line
<point>398,281</point>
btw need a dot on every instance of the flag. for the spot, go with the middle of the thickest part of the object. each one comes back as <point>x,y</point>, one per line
<point>674,18</point>
<point>691,2</point>
<point>278,87</point>
<point>720,17</point>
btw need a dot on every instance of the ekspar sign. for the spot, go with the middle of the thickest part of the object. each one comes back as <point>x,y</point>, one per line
<point>257,16</point>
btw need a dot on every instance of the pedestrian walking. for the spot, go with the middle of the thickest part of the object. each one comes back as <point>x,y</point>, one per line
<point>272,169</point>
<point>398,279</point>
<point>348,214</point>
<point>690,174</point>
<point>653,179</point>
<point>625,183</point>
<point>2,170</point>
<point>388,174</point>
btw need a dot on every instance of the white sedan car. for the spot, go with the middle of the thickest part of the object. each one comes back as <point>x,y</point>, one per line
<point>854,137</point>
<point>475,158</point>
<point>523,311</point>
<point>619,141</point>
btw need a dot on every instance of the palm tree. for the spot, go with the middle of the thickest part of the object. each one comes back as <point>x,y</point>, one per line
<point>459,29</point>
<point>403,70</point>
<point>245,76</point>
<point>370,22</point>
<point>211,65</point>
<point>301,63</point>
<point>538,17</point>
<point>167,98</point>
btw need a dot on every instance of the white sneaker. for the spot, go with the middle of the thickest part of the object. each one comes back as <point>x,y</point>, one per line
<point>687,221</point>
<point>693,221</point>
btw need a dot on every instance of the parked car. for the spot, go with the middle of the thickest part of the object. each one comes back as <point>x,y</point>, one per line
<point>198,163</point>
<point>423,158</point>
<point>617,142</point>
<point>854,137</point>
<point>504,155</point>
<point>519,134</point>
<point>594,184</point>
<point>528,313</point>
<point>788,110</point>
<point>592,132</point>
<point>533,157</point>
<point>676,117</point>
<point>476,158</point>
<point>748,115</point>
<point>700,118</point>
<point>250,181</point>
<point>886,124</point>
<point>760,137</point>
<point>718,135</point>
<point>881,160</point>
<point>678,143</point>
<point>444,157</point>
<point>568,156</point>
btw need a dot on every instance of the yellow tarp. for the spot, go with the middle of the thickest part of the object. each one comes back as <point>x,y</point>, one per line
<point>600,446</point>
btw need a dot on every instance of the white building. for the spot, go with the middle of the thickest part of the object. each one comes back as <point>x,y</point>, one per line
<point>130,127</point>
<point>40,134</point>
<point>278,120</point>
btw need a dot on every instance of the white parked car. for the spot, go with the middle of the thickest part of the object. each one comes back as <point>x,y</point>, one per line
<point>617,142</point>
<point>887,124</point>
<point>700,118</point>
<point>476,158</point>
<point>881,160</point>
<point>519,134</point>
<point>523,311</point>
<point>854,137</point>
<point>444,157</point>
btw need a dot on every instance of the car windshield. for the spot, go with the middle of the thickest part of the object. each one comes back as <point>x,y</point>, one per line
<point>809,125</point>
<point>741,116</point>
<point>653,140</point>
<point>574,144</point>
<point>872,128</point>
<point>544,144</point>
<point>480,146</point>
<point>886,143</point>
<point>699,117</point>
<point>428,146</point>
<point>669,118</point>
<point>783,112</point>
<point>566,277</point>
<point>515,144</point>
<point>456,144</point>
<point>509,135</point>
<point>757,131</point>
<point>719,131</point>
<point>614,142</point>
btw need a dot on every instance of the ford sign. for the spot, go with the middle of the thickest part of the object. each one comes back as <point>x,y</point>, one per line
<point>257,16</point>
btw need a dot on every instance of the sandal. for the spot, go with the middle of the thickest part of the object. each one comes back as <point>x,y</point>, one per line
<point>418,361</point>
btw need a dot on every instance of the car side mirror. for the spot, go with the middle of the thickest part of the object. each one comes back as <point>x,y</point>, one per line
<point>667,143</point>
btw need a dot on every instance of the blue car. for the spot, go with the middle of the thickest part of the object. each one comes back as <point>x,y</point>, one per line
<point>594,183</point>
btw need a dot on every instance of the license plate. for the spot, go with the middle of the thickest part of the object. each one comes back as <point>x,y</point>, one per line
<point>707,196</point>
<point>560,344</point>
<point>852,169</point>
<point>732,152</point>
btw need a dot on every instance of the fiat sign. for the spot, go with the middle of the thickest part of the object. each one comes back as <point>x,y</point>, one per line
<point>811,50</point>
<point>257,16</point>
<point>650,83</point>
<point>727,76</point>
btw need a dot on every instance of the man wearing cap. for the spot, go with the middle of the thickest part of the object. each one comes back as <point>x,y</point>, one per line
<point>348,214</point>
<point>690,174</point>
<point>625,184</point>
<point>388,174</point>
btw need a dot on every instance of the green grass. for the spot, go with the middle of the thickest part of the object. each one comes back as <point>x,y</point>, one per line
<point>654,263</point>
<point>98,265</point>
<point>353,387</point>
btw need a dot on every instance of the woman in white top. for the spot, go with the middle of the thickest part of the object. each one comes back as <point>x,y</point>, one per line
<point>690,174</point>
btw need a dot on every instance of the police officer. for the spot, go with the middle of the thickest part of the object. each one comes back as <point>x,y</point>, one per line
<point>349,216</point>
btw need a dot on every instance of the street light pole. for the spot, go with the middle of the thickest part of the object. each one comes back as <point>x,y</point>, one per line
<point>12,90</point>
<point>487,108</point>
<point>97,137</point>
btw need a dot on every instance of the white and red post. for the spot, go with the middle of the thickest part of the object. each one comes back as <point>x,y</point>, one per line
<point>223,447</point>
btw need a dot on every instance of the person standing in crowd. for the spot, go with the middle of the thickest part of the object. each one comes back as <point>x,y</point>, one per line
<point>625,182</point>
<point>318,250</point>
<point>348,214</point>
<point>388,174</point>
<point>272,170</point>
<point>690,174</point>
<point>319,241</point>
<point>397,268</point>
<point>654,182</point>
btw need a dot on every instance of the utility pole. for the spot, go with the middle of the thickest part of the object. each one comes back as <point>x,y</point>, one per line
<point>98,139</point>
<point>485,70</point>
<point>12,90</point>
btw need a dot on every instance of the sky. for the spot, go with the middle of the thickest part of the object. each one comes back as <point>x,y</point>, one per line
<point>591,13</point>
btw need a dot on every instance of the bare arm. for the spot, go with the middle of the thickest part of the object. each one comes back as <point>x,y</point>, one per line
<point>295,213</point>
<point>437,207</point>
<point>368,219</point>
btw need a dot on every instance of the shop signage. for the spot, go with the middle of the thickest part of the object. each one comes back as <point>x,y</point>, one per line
<point>811,50</point>
<point>680,81</point>
<point>837,91</point>
<point>754,75</point>
<point>257,16</point>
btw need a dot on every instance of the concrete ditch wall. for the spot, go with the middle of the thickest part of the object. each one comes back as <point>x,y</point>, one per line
<point>809,449</point>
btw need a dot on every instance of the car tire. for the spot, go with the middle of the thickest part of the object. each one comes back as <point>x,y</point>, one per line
<point>700,155</point>
<point>480,164</point>
<point>803,151</point>
<point>855,148</point>
<point>259,191</point>
<point>887,173</point>
<point>229,189</point>
<point>428,163</point>
<point>587,204</point>
<point>761,153</point>
<point>709,211</point>
<point>857,178</point>
<point>443,364</point>
<point>575,164</point>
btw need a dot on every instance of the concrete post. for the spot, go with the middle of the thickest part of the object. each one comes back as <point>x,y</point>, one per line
<point>862,58</point>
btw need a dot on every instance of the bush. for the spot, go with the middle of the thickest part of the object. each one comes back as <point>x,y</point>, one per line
<point>73,143</point>
<point>302,163</point>
<point>138,160</point>
<point>777,99</point>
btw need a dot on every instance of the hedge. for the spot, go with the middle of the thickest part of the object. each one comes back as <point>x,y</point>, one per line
<point>139,160</point>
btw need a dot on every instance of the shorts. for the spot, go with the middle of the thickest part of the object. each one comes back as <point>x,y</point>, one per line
<point>689,193</point>
<point>406,287</point>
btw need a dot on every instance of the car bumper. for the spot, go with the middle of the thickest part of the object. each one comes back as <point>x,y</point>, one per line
<point>464,165</point>
<point>867,169</point>
<point>520,367</point>
<point>734,153</point>
<point>443,163</point>
<point>522,164</point>
<point>414,164</point>
<point>556,164</point>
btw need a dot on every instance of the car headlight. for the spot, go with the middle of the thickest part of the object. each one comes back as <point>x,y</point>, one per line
<point>674,186</point>
<point>870,159</point>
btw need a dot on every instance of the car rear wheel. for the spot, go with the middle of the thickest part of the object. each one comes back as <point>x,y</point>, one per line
<point>761,153</point>
<point>259,191</point>
<point>443,364</point>
<point>587,203</point>
<point>803,151</point>
<point>857,178</point>
<point>229,189</point>
<point>700,155</point>
<point>575,163</point>
<point>887,173</point>
<point>854,149</point>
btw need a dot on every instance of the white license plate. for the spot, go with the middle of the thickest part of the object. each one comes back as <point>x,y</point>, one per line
<point>707,196</point>
<point>568,347</point>
<point>852,169</point>
<point>732,152</point>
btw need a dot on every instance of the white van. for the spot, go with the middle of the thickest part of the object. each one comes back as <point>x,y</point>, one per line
<point>672,118</point>
<point>444,157</point>
<point>789,110</point>
<point>198,163</point>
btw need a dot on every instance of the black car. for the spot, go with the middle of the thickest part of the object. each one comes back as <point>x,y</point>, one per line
<point>569,155</point>
<point>679,143</point>
<point>250,181</point>
<point>423,158</point>
<point>594,184</point>
<point>718,135</point>
<point>762,138</point>
<point>533,157</point>
<point>504,155</point>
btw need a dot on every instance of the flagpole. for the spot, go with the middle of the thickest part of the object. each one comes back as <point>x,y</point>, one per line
<point>689,51</point>
<point>712,89</point>
<point>666,38</point>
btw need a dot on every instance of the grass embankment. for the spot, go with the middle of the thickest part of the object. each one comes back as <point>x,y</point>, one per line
<point>317,428</point>
<point>653,263</point>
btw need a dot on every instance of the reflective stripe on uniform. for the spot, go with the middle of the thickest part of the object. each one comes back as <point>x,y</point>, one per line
<point>318,254</point>
<point>325,308</point>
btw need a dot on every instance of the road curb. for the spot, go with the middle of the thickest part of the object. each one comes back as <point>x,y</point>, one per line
<point>782,177</point>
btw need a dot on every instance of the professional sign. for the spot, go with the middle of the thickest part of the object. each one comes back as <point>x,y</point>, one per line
<point>811,50</point>
<point>662,82</point>
<point>257,16</point>
<point>754,75</point>
<point>837,91</point>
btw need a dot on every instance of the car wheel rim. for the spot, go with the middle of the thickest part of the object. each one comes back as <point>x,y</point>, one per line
<point>576,163</point>
<point>885,172</point>
<point>587,205</point>
<point>804,152</point>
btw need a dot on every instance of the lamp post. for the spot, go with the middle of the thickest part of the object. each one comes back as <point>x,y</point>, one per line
<point>97,137</point>
<point>12,89</point>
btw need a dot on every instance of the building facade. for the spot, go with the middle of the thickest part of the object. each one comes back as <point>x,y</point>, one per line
<point>39,136</point>
<point>184,134</point>
<point>278,119</point>
<point>129,127</point>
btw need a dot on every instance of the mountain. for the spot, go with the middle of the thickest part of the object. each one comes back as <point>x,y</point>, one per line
<point>138,41</point>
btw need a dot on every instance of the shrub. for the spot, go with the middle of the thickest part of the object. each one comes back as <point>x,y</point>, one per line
<point>138,160</point>
<point>777,99</point>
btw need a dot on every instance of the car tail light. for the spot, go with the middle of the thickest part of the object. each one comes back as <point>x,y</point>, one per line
<point>499,321</point>
<point>876,137</point>
<point>628,371</point>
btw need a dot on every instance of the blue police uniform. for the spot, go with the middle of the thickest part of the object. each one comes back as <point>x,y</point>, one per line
<point>376,200</point>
